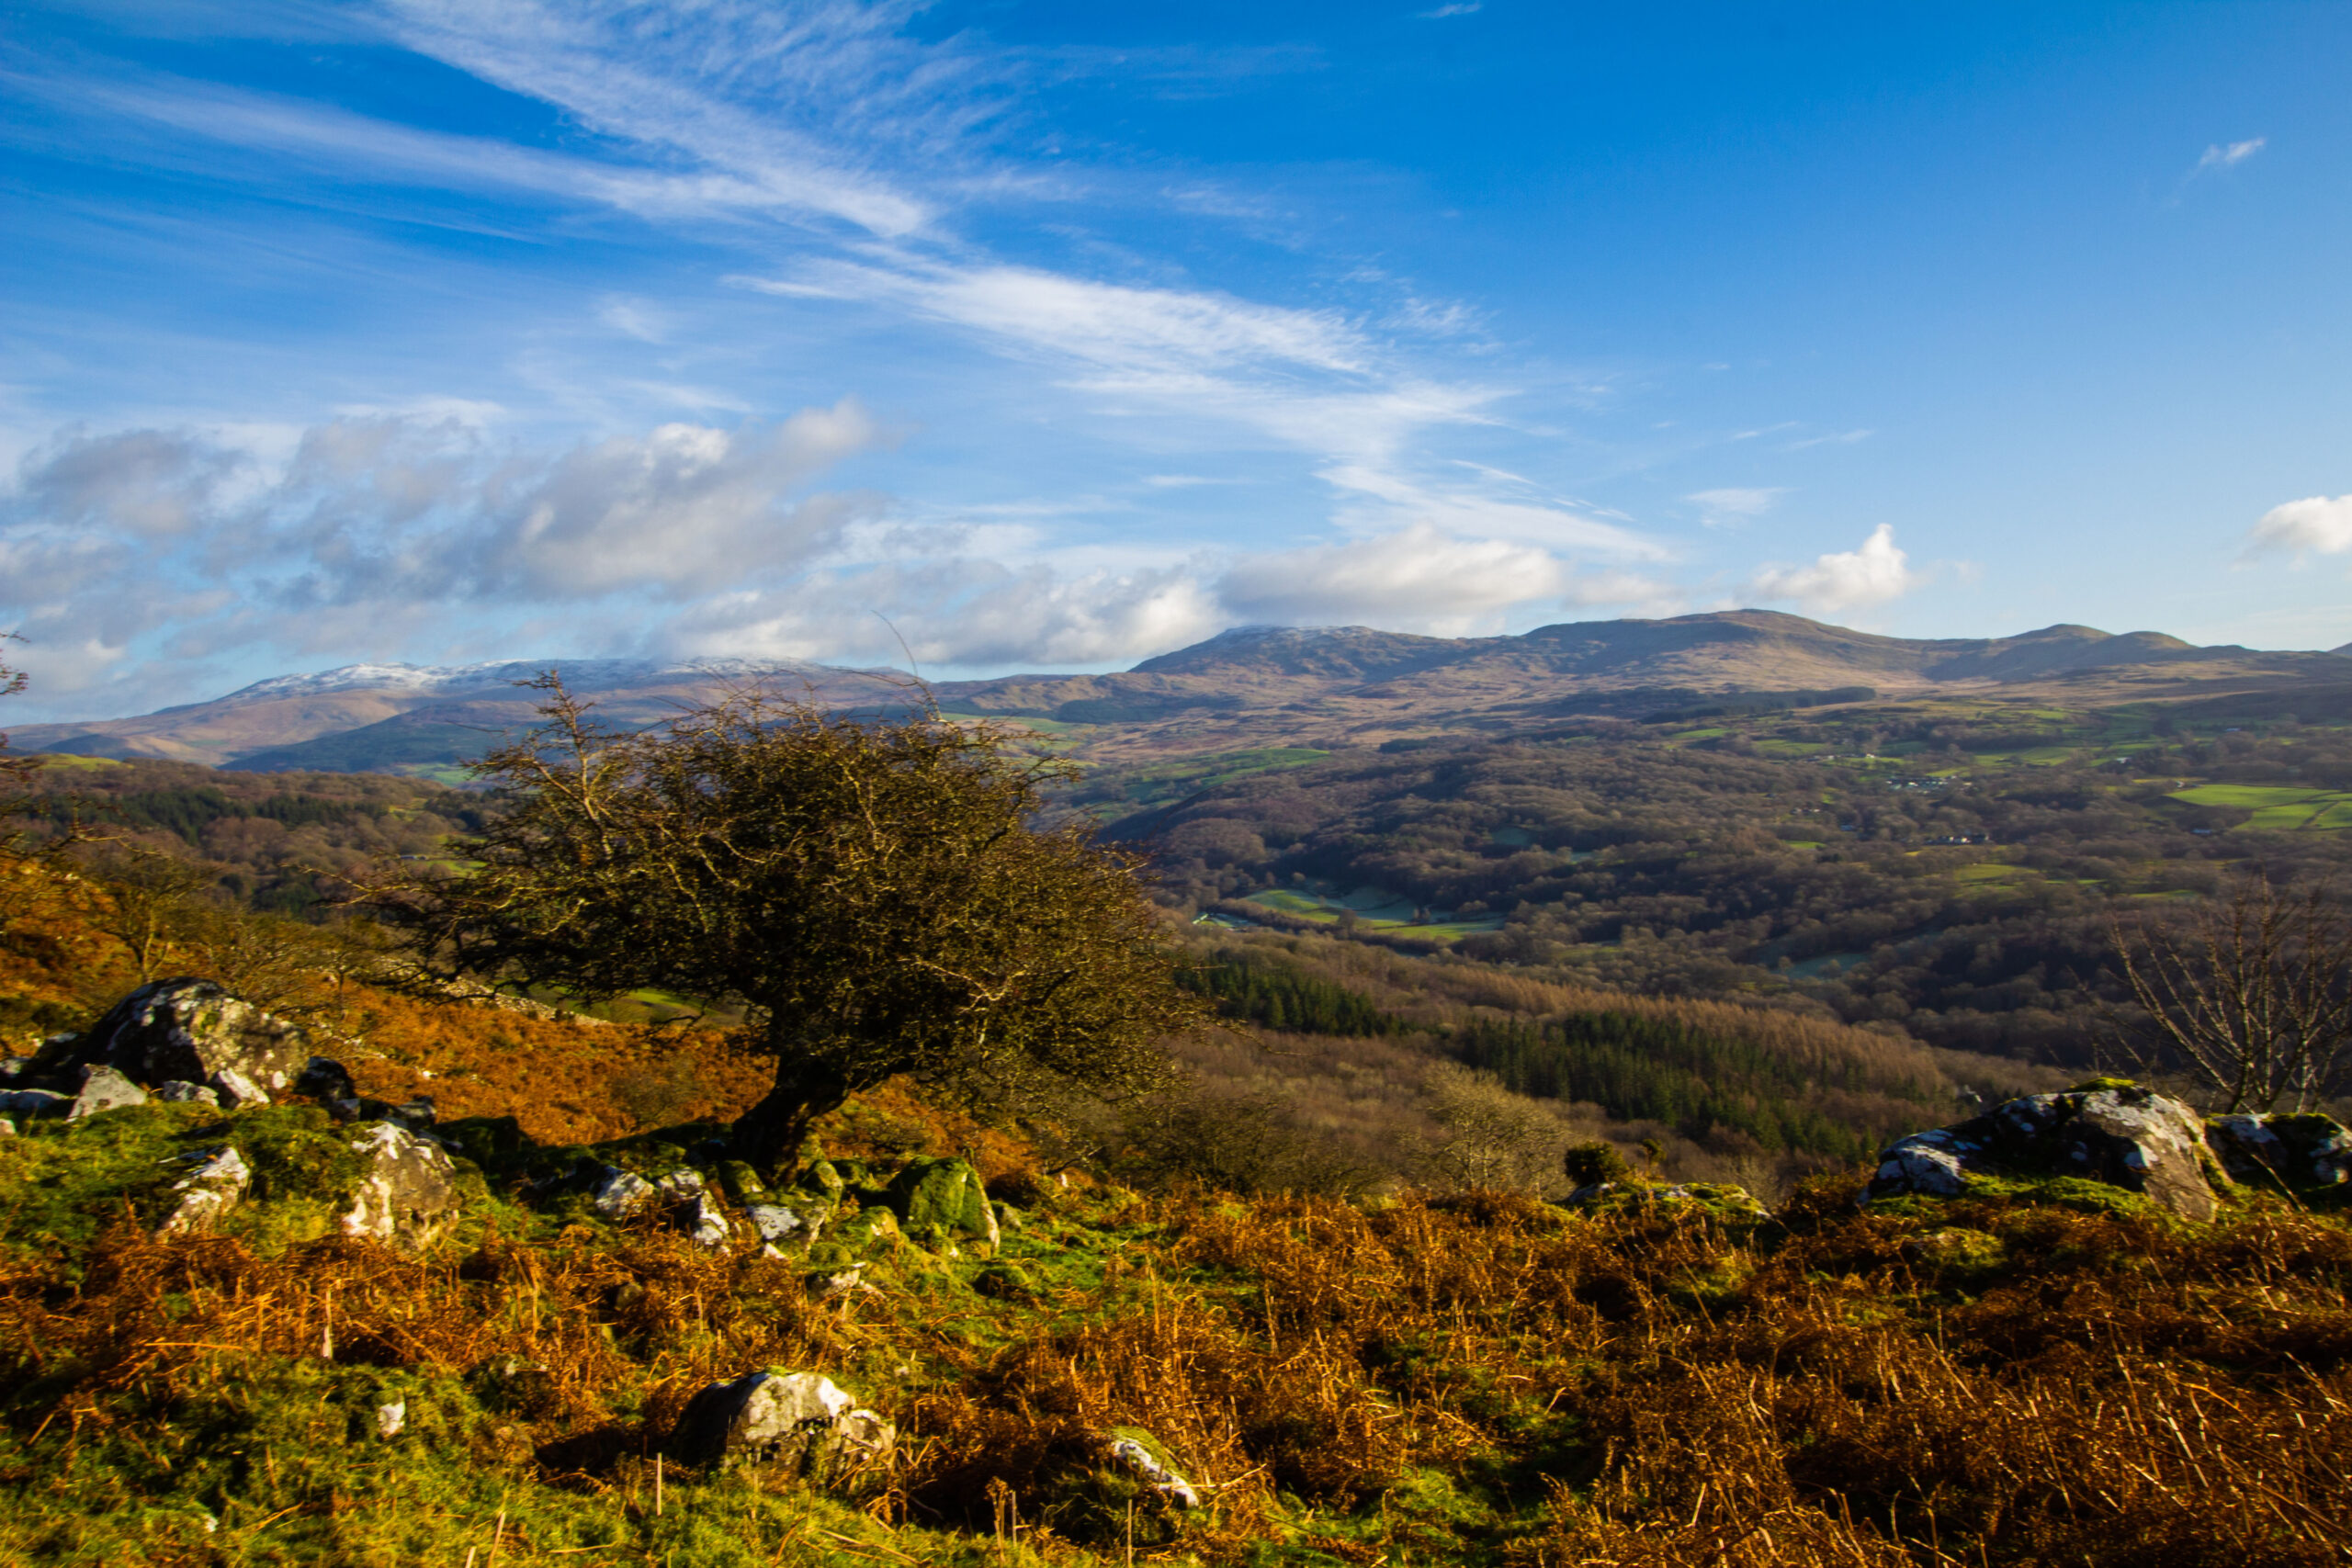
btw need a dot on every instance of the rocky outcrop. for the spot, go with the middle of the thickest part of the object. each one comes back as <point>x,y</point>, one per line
<point>2118,1134</point>
<point>798,1420</point>
<point>2296,1152</point>
<point>215,1185</point>
<point>194,1032</point>
<point>407,1196</point>
<point>942,1196</point>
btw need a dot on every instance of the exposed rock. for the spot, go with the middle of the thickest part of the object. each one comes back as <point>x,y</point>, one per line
<point>194,1031</point>
<point>781,1223</point>
<point>179,1091</point>
<point>408,1195</point>
<point>2121,1135</point>
<point>740,1182</point>
<point>35,1102</point>
<point>623,1195</point>
<point>103,1088</point>
<point>946,1193</point>
<point>825,1286</point>
<point>234,1088</point>
<point>867,1227</point>
<point>390,1418</point>
<point>2298,1151</point>
<point>697,1211</point>
<point>1141,1454</point>
<point>799,1420</point>
<point>216,1186</point>
<point>7,1128</point>
<point>706,1222</point>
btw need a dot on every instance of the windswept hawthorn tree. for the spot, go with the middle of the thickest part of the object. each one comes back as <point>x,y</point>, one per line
<point>877,893</point>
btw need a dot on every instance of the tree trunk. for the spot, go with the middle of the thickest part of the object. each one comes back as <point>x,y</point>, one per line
<point>769,1135</point>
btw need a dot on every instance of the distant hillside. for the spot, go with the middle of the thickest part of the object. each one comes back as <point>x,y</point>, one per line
<point>1254,685</point>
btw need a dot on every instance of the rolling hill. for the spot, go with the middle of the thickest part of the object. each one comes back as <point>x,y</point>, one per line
<point>1247,686</point>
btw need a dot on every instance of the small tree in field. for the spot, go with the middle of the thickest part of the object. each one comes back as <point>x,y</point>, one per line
<point>2252,998</point>
<point>875,892</point>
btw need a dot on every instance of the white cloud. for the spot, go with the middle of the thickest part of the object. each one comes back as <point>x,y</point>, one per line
<point>149,483</point>
<point>2229,155</point>
<point>1458,8</point>
<point>1847,580</point>
<point>958,611</point>
<point>1730,508</point>
<point>1419,578</point>
<point>1135,333</point>
<point>2314,523</point>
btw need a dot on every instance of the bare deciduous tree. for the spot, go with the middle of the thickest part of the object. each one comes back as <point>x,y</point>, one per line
<point>2252,997</point>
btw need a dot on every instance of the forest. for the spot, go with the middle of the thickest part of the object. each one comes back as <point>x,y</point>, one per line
<point>1758,940</point>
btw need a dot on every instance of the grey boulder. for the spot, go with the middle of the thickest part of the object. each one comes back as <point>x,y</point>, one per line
<point>35,1102</point>
<point>2298,1151</point>
<point>196,1032</point>
<point>799,1420</point>
<point>179,1091</point>
<point>103,1088</point>
<point>2122,1135</point>
<point>408,1195</point>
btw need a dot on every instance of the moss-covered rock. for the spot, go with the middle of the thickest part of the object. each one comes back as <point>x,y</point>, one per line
<point>2299,1154</point>
<point>2111,1131</point>
<point>946,1194</point>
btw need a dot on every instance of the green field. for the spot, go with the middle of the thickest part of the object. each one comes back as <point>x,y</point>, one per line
<point>2277,809</point>
<point>1374,910</point>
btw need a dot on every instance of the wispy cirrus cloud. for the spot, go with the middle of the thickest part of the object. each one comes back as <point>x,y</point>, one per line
<point>1734,507</point>
<point>2230,154</point>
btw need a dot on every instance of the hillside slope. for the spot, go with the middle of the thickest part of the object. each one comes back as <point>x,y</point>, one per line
<point>1251,686</point>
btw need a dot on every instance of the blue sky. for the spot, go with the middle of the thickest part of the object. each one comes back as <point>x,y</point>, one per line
<point>1055,336</point>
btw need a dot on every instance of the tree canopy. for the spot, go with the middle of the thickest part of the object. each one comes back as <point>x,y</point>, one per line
<point>877,893</point>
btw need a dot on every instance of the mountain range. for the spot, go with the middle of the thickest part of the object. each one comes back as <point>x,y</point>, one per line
<point>1250,685</point>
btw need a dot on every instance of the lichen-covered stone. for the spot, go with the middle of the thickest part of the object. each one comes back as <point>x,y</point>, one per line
<point>799,1421</point>
<point>179,1091</point>
<point>946,1193</point>
<point>2109,1132</point>
<point>623,1195</point>
<point>407,1195</point>
<point>2299,1152</point>
<point>198,1032</point>
<point>216,1185</point>
<point>741,1183</point>
<point>104,1089</point>
<point>780,1223</point>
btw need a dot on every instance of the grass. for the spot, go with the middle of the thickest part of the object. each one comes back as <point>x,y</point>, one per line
<point>1481,1379</point>
<point>2275,809</point>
